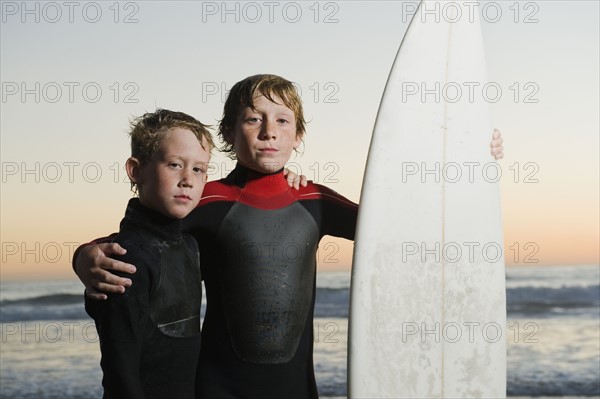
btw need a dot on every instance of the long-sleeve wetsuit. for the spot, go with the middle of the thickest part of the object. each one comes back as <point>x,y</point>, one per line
<point>150,336</point>
<point>258,240</point>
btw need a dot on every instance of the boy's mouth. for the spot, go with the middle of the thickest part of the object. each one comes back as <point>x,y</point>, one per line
<point>183,197</point>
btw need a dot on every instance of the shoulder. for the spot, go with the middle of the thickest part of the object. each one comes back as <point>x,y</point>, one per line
<point>140,247</point>
<point>220,190</point>
<point>315,191</point>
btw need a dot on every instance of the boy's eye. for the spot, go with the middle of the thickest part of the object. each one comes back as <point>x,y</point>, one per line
<point>201,172</point>
<point>174,165</point>
<point>283,121</point>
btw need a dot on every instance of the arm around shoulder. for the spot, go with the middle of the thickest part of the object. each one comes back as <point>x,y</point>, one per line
<point>91,263</point>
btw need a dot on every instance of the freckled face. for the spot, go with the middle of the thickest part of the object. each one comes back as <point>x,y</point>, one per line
<point>173,181</point>
<point>265,136</point>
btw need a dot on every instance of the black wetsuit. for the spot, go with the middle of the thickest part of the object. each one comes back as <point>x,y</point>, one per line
<point>150,336</point>
<point>258,240</point>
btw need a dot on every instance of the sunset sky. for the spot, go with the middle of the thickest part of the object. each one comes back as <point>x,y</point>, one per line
<point>73,76</point>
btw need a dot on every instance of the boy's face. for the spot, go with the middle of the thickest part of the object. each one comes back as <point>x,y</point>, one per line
<point>265,136</point>
<point>172,182</point>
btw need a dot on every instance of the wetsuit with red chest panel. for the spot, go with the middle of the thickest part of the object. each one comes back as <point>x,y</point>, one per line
<point>258,240</point>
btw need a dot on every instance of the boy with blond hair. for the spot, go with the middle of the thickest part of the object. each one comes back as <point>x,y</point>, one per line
<point>150,337</point>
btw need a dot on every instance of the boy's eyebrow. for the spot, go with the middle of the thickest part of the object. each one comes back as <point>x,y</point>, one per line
<point>181,156</point>
<point>253,108</point>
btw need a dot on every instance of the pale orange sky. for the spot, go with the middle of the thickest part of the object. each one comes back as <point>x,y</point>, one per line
<point>541,235</point>
<point>62,180</point>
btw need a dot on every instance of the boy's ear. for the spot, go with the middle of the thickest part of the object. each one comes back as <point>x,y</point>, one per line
<point>297,141</point>
<point>133,168</point>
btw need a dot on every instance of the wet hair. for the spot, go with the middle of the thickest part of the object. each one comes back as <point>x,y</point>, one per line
<point>148,130</point>
<point>242,95</point>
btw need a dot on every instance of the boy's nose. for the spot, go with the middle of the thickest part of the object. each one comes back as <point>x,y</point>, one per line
<point>269,130</point>
<point>186,178</point>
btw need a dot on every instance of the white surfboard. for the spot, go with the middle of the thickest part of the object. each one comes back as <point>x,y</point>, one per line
<point>428,308</point>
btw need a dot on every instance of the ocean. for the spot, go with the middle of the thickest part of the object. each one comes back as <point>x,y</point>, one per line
<point>49,346</point>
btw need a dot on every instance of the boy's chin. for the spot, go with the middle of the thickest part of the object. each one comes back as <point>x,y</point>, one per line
<point>171,209</point>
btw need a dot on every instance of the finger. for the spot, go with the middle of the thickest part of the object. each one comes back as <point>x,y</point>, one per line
<point>118,266</point>
<point>498,153</point>
<point>291,179</point>
<point>496,134</point>
<point>111,278</point>
<point>285,172</point>
<point>497,150</point>
<point>112,248</point>
<point>93,294</point>
<point>303,181</point>
<point>496,143</point>
<point>297,181</point>
<point>108,288</point>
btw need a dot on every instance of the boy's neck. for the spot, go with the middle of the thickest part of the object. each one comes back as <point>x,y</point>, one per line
<point>252,180</point>
<point>151,220</point>
<point>252,173</point>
